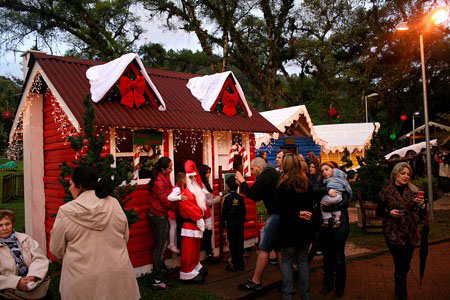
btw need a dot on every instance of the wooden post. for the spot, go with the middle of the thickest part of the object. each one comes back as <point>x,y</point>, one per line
<point>221,188</point>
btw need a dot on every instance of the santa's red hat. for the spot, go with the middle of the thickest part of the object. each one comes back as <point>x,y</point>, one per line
<point>191,170</point>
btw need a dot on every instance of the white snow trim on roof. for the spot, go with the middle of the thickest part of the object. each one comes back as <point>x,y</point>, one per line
<point>420,128</point>
<point>284,117</point>
<point>265,138</point>
<point>103,77</point>
<point>415,147</point>
<point>207,88</point>
<point>350,135</point>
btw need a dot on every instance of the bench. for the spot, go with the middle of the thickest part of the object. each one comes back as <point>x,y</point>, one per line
<point>369,220</point>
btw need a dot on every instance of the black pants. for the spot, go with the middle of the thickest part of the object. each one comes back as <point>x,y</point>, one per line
<point>333,245</point>
<point>402,259</point>
<point>235,234</point>
<point>160,226</point>
<point>206,243</point>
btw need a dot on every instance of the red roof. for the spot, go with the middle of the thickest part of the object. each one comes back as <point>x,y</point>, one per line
<point>184,111</point>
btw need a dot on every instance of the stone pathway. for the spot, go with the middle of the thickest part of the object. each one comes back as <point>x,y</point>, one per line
<point>374,278</point>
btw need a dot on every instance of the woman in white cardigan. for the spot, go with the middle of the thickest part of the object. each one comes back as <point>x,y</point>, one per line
<point>23,264</point>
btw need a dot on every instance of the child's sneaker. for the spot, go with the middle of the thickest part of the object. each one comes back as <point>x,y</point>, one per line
<point>337,223</point>
<point>173,248</point>
<point>326,223</point>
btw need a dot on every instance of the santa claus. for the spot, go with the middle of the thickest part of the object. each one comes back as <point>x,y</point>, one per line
<point>192,211</point>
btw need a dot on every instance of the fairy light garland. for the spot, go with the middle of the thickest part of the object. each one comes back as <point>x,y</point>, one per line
<point>65,126</point>
<point>15,147</point>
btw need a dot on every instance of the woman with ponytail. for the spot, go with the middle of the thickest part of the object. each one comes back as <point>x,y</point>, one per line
<point>205,174</point>
<point>90,236</point>
<point>160,187</point>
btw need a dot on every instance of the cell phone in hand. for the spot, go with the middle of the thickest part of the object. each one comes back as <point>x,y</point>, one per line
<point>401,211</point>
<point>420,194</point>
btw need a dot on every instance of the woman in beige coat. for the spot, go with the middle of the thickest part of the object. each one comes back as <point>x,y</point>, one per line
<point>90,237</point>
<point>23,264</point>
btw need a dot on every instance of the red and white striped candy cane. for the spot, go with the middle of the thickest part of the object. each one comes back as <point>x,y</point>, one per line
<point>136,162</point>
<point>242,152</point>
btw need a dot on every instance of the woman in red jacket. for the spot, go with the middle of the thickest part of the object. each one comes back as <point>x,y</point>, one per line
<point>160,187</point>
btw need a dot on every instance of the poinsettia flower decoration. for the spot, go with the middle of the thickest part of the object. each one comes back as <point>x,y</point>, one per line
<point>229,103</point>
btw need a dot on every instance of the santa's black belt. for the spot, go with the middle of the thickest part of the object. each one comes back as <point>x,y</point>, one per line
<point>187,220</point>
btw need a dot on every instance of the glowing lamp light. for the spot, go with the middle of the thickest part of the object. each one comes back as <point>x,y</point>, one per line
<point>402,26</point>
<point>403,117</point>
<point>392,136</point>
<point>439,16</point>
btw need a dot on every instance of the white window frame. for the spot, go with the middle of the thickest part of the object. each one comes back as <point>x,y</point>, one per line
<point>116,154</point>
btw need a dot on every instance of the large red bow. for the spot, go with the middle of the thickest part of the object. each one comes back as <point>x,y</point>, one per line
<point>132,91</point>
<point>229,103</point>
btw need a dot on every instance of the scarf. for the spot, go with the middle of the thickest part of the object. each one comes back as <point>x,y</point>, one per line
<point>13,244</point>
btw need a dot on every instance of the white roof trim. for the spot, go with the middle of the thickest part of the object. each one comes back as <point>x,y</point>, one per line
<point>353,136</point>
<point>207,88</point>
<point>103,77</point>
<point>35,71</point>
<point>284,117</point>
<point>415,147</point>
<point>420,128</point>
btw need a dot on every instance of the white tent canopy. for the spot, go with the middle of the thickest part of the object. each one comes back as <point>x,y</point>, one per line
<point>350,135</point>
<point>416,148</point>
<point>420,128</point>
<point>284,117</point>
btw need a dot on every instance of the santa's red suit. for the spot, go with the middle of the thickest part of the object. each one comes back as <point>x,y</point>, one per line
<point>193,211</point>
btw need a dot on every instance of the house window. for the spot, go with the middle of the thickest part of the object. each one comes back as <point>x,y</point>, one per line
<point>125,150</point>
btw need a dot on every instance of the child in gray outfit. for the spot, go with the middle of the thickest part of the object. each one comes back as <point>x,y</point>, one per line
<point>338,182</point>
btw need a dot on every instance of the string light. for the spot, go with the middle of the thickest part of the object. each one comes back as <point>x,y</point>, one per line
<point>15,147</point>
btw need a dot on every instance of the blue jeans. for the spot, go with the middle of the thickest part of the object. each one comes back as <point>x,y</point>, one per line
<point>289,257</point>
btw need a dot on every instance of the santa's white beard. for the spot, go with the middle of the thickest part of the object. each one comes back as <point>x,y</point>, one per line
<point>195,189</point>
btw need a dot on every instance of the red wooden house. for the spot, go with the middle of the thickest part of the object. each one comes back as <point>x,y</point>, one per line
<point>181,127</point>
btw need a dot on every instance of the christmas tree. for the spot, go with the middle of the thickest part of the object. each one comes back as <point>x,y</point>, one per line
<point>347,165</point>
<point>121,175</point>
<point>373,172</point>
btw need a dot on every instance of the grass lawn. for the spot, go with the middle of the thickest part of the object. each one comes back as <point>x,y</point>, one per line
<point>440,228</point>
<point>179,291</point>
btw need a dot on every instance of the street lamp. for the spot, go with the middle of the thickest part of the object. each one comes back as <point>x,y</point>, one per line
<point>414,127</point>
<point>437,16</point>
<point>365,100</point>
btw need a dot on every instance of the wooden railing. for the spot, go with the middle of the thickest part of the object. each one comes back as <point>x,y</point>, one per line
<point>12,187</point>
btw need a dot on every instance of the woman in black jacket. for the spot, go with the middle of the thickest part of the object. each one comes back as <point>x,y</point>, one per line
<point>333,242</point>
<point>295,197</point>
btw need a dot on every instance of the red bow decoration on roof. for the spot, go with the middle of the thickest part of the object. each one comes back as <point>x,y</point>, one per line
<point>229,103</point>
<point>132,91</point>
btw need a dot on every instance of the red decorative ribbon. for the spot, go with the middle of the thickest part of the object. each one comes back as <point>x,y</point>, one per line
<point>132,91</point>
<point>229,103</point>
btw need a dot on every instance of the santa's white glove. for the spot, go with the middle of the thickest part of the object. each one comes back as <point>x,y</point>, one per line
<point>201,225</point>
<point>208,223</point>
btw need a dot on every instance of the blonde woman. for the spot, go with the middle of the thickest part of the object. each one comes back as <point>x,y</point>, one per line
<point>399,201</point>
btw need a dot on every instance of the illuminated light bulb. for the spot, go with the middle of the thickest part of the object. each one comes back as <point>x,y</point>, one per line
<point>439,16</point>
<point>402,26</point>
